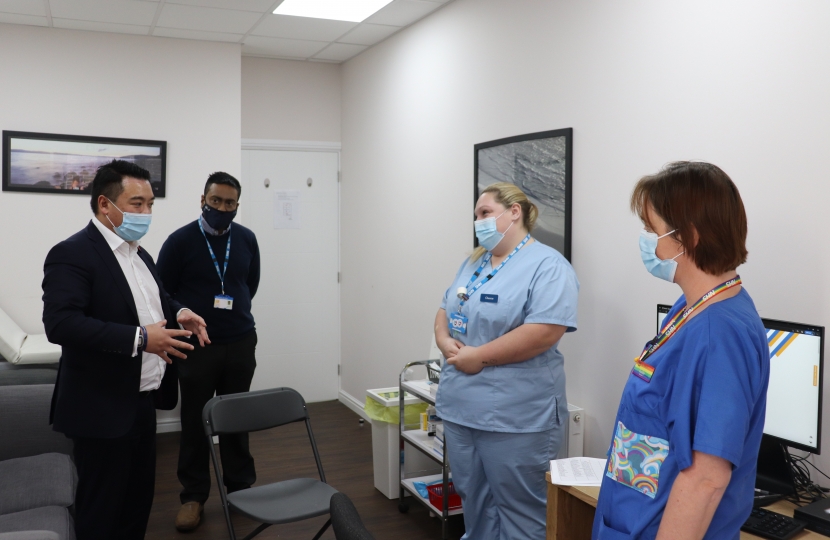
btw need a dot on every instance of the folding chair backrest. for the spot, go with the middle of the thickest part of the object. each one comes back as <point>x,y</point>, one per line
<point>253,411</point>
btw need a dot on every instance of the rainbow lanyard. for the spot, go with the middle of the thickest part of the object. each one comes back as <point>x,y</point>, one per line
<point>670,328</point>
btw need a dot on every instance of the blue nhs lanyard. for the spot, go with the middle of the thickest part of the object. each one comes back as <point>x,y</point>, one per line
<point>470,292</point>
<point>213,256</point>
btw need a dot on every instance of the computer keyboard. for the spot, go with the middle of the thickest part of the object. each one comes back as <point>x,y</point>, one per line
<point>772,525</point>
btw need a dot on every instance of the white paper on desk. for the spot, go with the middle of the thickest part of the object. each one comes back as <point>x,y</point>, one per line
<point>579,471</point>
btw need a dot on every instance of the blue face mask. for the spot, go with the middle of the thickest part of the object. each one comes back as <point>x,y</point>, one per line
<point>663,269</point>
<point>133,226</point>
<point>488,234</point>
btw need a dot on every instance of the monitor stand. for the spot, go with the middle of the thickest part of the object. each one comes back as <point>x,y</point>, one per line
<point>774,472</point>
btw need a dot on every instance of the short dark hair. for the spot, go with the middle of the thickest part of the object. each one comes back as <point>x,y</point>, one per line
<point>108,180</point>
<point>696,196</point>
<point>224,178</point>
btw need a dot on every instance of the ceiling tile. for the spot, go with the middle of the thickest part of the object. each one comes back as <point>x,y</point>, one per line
<point>339,52</point>
<point>31,20</point>
<point>207,19</point>
<point>288,27</point>
<point>260,6</point>
<point>287,48</point>
<point>93,26</point>
<point>368,34</point>
<point>403,12</point>
<point>109,11</point>
<point>196,34</point>
<point>23,7</point>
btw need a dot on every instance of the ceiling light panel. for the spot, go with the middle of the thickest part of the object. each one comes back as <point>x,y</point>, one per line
<point>338,10</point>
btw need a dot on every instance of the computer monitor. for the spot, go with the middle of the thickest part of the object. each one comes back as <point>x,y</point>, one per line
<point>794,398</point>
<point>662,311</point>
<point>796,357</point>
<point>793,419</point>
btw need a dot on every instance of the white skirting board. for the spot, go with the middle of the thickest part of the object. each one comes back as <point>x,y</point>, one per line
<point>168,425</point>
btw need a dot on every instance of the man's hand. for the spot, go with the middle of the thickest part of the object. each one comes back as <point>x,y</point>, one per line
<point>194,323</point>
<point>163,342</point>
<point>467,360</point>
<point>449,347</point>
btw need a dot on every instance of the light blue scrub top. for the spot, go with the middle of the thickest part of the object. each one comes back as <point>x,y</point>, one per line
<point>538,285</point>
<point>708,393</point>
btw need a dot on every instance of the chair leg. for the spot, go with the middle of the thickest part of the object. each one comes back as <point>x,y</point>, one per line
<point>320,533</point>
<point>257,531</point>
<point>221,486</point>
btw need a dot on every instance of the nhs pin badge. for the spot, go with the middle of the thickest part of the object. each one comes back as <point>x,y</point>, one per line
<point>223,301</point>
<point>458,323</point>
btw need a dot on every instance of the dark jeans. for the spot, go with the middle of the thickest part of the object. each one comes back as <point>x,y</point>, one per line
<point>220,369</point>
<point>116,479</point>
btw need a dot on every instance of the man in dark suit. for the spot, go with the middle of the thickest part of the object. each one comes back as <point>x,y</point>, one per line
<point>105,305</point>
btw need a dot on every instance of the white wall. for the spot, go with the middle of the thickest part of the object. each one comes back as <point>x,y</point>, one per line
<point>61,81</point>
<point>290,100</point>
<point>742,84</point>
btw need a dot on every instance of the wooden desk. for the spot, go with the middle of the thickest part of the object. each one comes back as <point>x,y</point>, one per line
<point>571,513</point>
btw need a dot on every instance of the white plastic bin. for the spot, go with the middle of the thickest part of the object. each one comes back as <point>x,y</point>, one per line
<point>386,450</point>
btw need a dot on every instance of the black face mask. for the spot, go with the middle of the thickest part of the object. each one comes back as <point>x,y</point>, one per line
<point>217,219</point>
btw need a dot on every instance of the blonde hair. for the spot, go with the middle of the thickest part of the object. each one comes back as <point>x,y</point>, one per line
<point>507,195</point>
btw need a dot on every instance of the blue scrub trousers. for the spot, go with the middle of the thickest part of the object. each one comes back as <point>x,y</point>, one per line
<point>501,480</point>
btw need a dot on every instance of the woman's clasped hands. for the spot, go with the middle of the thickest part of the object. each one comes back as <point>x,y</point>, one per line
<point>464,358</point>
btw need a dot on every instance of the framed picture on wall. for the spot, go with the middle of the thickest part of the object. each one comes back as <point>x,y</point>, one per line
<point>51,163</point>
<point>541,165</point>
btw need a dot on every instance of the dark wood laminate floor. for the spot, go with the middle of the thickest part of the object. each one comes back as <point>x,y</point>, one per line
<point>346,451</point>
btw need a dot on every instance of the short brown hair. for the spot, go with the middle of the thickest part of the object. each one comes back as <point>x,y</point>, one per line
<point>695,196</point>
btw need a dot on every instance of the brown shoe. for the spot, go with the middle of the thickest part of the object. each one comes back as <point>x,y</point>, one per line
<point>189,517</point>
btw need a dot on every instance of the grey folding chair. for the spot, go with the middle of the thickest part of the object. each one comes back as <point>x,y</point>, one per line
<point>271,504</point>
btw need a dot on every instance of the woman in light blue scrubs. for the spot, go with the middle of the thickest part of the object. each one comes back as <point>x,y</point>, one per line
<point>682,459</point>
<point>502,391</point>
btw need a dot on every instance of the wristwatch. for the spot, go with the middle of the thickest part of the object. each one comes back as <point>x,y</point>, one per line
<point>140,340</point>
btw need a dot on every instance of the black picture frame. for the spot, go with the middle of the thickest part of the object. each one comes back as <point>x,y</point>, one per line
<point>542,166</point>
<point>66,164</point>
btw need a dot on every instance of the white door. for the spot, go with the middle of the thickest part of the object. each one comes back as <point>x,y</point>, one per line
<point>297,306</point>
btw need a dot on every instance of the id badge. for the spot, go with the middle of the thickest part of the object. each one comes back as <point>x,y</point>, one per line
<point>223,301</point>
<point>457,323</point>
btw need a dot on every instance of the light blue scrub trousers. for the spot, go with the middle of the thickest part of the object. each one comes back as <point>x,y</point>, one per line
<point>501,480</point>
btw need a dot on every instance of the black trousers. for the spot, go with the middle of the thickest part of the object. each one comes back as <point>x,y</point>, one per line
<point>220,369</point>
<point>116,479</point>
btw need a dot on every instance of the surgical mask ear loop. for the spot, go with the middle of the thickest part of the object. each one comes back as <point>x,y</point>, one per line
<point>113,205</point>
<point>665,235</point>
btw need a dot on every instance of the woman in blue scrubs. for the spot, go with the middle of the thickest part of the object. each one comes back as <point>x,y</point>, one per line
<point>682,460</point>
<point>502,391</point>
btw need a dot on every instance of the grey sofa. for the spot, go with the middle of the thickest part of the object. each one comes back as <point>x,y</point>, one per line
<point>38,484</point>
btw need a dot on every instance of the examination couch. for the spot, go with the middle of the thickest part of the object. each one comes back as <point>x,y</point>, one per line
<point>38,483</point>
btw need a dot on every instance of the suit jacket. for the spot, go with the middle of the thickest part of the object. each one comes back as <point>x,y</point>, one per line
<point>89,310</point>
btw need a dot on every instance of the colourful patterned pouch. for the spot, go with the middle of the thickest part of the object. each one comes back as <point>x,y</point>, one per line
<point>635,460</point>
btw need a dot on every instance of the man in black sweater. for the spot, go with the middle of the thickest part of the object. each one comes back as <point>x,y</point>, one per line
<point>213,267</point>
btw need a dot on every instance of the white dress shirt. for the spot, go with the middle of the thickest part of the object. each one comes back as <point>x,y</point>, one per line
<point>147,301</point>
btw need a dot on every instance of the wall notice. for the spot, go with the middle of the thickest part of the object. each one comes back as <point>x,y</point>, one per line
<point>287,209</point>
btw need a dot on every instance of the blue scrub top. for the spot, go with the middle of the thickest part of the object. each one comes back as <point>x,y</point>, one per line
<point>708,394</point>
<point>538,285</point>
